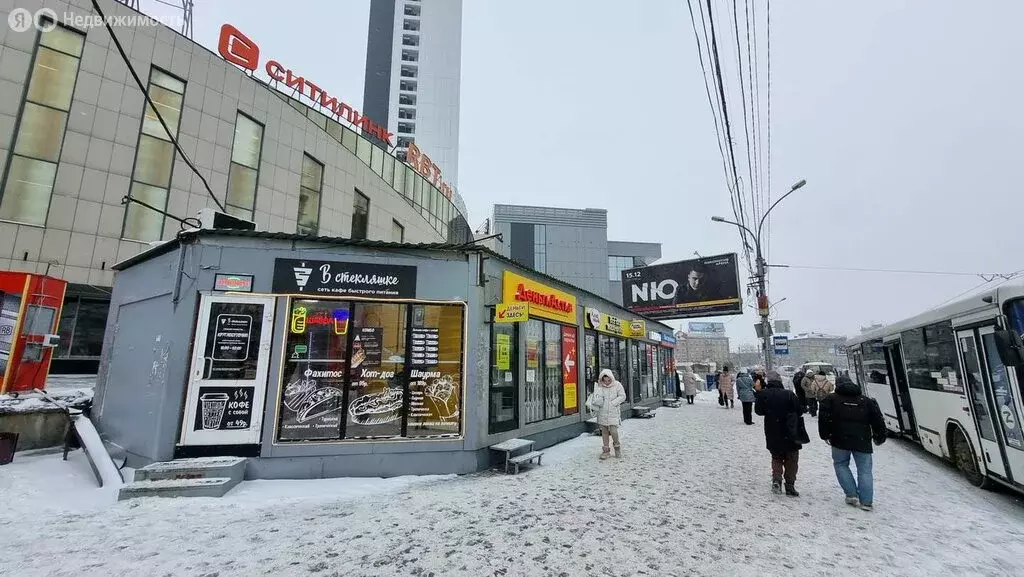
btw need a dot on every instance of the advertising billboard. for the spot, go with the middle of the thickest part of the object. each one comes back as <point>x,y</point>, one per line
<point>707,328</point>
<point>702,287</point>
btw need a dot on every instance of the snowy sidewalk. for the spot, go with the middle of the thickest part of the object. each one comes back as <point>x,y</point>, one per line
<point>691,497</point>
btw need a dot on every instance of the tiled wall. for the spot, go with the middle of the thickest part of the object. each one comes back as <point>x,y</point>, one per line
<point>83,228</point>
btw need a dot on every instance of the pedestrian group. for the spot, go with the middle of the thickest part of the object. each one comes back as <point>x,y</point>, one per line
<point>847,420</point>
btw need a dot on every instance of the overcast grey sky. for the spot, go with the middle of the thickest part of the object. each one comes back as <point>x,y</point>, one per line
<point>905,118</point>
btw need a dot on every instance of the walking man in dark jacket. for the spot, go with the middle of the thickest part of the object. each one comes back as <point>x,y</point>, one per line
<point>781,411</point>
<point>798,388</point>
<point>849,422</point>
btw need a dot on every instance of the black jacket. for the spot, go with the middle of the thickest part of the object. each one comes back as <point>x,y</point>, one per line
<point>799,389</point>
<point>780,409</point>
<point>849,420</point>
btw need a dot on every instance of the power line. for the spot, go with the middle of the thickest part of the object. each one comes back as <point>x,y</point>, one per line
<point>743,105</point>
<point>1006,279</point>
<point>768,60</point>
<point>152,105</point>
<point>754,71</point>
<point>987,276</point>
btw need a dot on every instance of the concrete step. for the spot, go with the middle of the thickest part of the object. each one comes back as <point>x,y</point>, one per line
<point>198,468</point>
<point>209,487</point>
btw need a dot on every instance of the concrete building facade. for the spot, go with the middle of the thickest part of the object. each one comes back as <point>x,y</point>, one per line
<point>569,244</point>
<point>413,68</point>
<point>76,140</point>
<point>815,347</point>
<point>702,348</point>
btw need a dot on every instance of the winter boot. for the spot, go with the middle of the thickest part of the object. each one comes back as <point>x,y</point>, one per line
<point>605,453</point>
<point>852,501</point>
<point>867,507</point>
<point>791,491</point>
<point>777,485</point>
<point>618,452</point>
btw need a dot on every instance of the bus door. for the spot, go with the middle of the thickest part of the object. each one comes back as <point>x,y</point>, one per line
<point>984,402</point>
<point>901,388</point>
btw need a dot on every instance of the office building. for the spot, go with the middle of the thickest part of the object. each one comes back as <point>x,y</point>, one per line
<point>569,244</point>
<point>815,347</point>
<point>413,68</point>
<point>702,348</point>
<point>76,140</point>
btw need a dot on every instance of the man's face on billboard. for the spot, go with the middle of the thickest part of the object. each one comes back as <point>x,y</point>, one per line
<point>695,279</point>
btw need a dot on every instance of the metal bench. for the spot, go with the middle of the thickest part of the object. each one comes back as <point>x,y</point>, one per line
<point>510,447</point>
<point>525,458</point>
<point>643,413</point>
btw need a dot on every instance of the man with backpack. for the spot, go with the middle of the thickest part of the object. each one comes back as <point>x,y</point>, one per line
<point>849,422</point>
<point>817,387</point>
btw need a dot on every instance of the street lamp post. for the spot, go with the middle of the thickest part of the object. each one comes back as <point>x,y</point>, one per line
<point>762,294</point>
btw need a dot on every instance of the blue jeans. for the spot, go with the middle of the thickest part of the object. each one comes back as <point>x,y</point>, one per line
<point>864,486</point>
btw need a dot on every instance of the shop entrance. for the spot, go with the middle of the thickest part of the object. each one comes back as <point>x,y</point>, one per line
<point>228,377</point>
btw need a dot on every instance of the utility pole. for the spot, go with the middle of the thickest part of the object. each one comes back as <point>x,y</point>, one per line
<point>762,291</point>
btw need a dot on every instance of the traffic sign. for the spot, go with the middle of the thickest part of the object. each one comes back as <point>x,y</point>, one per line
<point>511,312</point>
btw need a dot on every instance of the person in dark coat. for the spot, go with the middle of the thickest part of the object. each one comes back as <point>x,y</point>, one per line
<point>798,378</point>
<point>745,391</point>
<point>849,422</point>
<point>781,410</point>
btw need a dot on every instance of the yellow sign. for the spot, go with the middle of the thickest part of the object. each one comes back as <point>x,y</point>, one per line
<point>569,397</point>
<point>511,312</point>
<point>299,320</point>
<point>544,301</point>
<point>502,352</point>
<point>637,329</point>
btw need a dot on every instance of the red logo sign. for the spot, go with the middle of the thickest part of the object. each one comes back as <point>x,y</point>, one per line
<point>238,49</point>
<point>550,301</point>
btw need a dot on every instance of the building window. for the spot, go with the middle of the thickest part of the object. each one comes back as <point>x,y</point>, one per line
<point>410,56</point>
<point>412,10</point>
<point>407,113</point>
<point>32,164</point>
<point>154,158</point>
<point>410,40</point>
<point>245,167</point>
<point>360,215</point>
<point>540,248</point>
<point>309,195</point>
<point>543,383</point>
<point>617,264</point>
<point>407,99</point>
<point>397,231</point>
<point>81,327</point>
<point>407,128</point>
<point>409,71</point>
<point>407,85</point>
<point>502,398</point>
<point>403,142</point>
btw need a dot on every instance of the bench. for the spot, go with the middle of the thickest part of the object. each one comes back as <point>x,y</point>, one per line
<point>511,446</point>
<point>525,458</point>
<point>643,413</point>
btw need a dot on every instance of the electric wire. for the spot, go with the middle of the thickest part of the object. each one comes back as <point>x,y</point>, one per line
<point>746,120</point>
<point>983,275</point>
<point>153,107</point>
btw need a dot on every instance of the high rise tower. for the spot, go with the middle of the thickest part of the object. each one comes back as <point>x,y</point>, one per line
<point>413,63</point>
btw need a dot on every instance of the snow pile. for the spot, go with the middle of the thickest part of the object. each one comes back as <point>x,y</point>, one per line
<point>690,497</point>
<point>30,402</point>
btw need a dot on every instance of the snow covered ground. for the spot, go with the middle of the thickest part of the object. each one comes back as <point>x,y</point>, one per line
<point>691,497</point>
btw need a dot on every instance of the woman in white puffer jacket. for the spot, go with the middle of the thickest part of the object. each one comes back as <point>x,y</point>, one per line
<point>608,395</point>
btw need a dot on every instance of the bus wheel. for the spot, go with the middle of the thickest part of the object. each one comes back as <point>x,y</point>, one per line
<point>963,456</point>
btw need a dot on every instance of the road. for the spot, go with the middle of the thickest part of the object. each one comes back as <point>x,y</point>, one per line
<point>691,497</point>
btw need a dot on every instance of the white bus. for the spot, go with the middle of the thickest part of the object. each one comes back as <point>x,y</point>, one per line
<point>951,380</point>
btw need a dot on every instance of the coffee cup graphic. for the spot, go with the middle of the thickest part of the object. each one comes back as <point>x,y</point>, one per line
<point>213,405</point>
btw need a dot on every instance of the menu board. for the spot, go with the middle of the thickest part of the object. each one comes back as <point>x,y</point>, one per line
<point>433,401</point>
<point>311,402</point>
<point>223,408</point>
<point>424,350</point>
<point>366,347</point>
<point>233,340</point>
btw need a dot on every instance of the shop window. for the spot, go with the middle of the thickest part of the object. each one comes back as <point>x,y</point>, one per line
<point>590,357</point>
<point>533,391</point>
<point>356,371</point>
<point>360,215</point>
<point>636,370</point>
<point>243,174</point>
<point>376,393</point>
<point>552,371</point>
<point>32,166</point>
<point>309,195</point>
<point>81,327</point>
<point>435,375</point>
<point>313,379</point>
<point>154,158</point>
<point>502,394</point>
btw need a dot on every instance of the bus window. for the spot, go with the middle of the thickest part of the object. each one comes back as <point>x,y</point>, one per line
<point>1008,417</point>
<point>976,386</point>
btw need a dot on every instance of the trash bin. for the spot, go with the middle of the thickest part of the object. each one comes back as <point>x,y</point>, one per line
<point>8,444</point>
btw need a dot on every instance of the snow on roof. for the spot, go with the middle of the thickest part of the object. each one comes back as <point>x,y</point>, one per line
<point>30,402</point>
